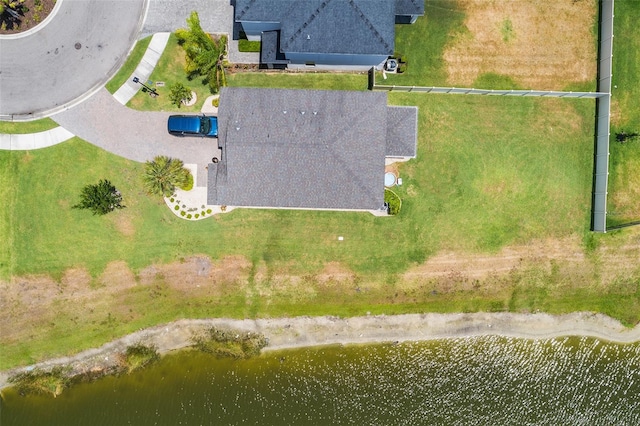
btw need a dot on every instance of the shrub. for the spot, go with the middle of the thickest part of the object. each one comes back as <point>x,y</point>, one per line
<point>101,198</point>
<point>188,184</point>
<point>393,201</point>
<point>171,199</point>
<point>208,211</point>
<point>215,102</point>
<point>176,208</point>
<point>189,216</point>
<point>197,215</point>
<point>138,356</point>
<point>182,213</point>
<point>179,93</point>
<point>38,381</point>
<point>226,343</point>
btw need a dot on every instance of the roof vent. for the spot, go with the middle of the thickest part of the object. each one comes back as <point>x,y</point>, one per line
<point>308,37</point>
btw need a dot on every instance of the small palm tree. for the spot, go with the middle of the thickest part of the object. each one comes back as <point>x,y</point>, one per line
<point>163,174</point>
<point>204,55</point>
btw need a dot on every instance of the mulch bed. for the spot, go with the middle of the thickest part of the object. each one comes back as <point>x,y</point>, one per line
<point>25,16</point>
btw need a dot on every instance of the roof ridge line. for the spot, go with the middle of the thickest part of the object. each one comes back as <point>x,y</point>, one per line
<point>372,28</point>
<point>309,20</point>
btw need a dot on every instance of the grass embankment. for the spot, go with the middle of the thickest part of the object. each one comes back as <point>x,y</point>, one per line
<point>27,126</point>
<point>129,66</point>
<point>624,163</point>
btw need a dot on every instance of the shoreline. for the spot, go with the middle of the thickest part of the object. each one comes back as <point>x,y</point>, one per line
<point>298,332</point>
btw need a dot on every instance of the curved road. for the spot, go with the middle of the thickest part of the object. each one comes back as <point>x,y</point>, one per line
<point>67,59</point>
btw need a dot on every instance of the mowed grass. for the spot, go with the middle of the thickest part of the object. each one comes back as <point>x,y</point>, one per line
<point>170,70</point>
<point>27,126</point>
<point>548,46</point>
<point>299,80</point>
<point>624,163</point>
<point>490,172</point>
<point>129,66</point>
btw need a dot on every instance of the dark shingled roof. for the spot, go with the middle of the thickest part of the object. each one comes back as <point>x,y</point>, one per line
<point>402,131</point>
<point>409,7</point>
<point>328,26</point>
<point>300,149</point>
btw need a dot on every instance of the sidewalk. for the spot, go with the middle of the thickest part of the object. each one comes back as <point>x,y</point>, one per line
<point>22,142</point>
<point>144,69</point>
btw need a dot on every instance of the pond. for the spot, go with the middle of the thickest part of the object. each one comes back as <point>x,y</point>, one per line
<point>467,381</point>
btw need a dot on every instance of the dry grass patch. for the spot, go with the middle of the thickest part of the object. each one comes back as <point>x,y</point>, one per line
<point>455,271</point>
<point>539,44</point>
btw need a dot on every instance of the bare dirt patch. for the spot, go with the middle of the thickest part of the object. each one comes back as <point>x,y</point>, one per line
<point>451,271</point>
<point>541,44</point>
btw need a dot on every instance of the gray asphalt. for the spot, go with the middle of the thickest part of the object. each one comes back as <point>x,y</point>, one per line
<point>135,135</point>
<point>70,57</point>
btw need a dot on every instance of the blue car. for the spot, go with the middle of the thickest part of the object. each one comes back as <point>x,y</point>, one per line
<point>193,125</point>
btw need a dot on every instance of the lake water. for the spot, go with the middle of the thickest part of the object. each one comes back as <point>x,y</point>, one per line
<point>472,381</point>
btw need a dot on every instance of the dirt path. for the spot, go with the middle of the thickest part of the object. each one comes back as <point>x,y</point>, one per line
<point>284,333</point>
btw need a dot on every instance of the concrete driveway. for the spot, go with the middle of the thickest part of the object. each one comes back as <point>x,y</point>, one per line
<point>71,56</point>
<point>135,135</point>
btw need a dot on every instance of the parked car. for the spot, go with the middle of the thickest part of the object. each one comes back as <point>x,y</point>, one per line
<point>193,125</point>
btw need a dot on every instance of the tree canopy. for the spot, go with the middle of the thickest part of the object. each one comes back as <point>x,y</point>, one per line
<point>204,54</point>
<point>101,198</point>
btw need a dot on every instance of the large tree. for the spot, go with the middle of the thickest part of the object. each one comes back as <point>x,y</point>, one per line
<point>101,198</point>
<point>204,55</point>
<point>163,174</point>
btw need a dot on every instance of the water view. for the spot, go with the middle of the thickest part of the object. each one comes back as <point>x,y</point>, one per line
<point>472,381</point>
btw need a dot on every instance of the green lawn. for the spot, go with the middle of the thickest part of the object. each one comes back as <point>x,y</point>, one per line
<point>624,172</point>
<point>422,44</point>
<point>245,45</point>
<point>490,172</point>
<point>27,126</point>
<point>170,70</point>
<point>129,66</point>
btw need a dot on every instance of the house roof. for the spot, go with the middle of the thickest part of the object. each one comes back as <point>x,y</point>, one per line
<point>300,149</point>
<point>409,7</point>
<point>328,26</point>
<point>402,131</point>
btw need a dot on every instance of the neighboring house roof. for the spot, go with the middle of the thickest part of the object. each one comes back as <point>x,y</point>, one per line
<point>409,7</point>
<point>302,149</point>
<point>329,26</point>
<point>402,131</point>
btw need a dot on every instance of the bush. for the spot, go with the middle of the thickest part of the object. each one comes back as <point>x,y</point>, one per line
<point>101,198</point>
<point>182,213</point>
<point>138,356</point>
<point>393,201</point>
<point>37,381</point>
<point>176,208</point>
<point>189,216</point>
<point>226,343</point>
<point>179,93</point>
<point>188,184</point>
<point>197,215</point>
<point>215,102</point>
<point>208,211</point>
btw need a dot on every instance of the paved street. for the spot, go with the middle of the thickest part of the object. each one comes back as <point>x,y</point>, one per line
<point>74,54</point>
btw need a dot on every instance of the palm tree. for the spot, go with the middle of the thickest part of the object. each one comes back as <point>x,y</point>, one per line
<point>163,174</point>
<point>204,55</point>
